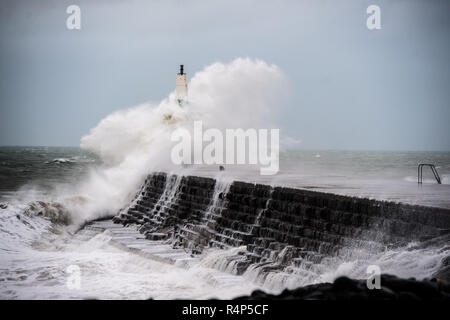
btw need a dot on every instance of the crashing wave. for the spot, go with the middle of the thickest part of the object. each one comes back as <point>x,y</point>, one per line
<point>54,211</point>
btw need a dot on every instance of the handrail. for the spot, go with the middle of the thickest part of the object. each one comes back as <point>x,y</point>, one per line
<point>433,169</point>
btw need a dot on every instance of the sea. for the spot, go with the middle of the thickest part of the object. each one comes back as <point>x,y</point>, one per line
<point>40,239</point>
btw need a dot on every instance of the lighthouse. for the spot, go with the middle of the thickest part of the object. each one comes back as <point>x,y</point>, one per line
<point>181,87</point>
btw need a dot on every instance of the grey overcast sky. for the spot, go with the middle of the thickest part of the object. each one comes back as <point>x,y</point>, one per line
<point>350,88</point>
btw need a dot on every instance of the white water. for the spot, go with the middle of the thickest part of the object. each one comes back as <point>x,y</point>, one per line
<point>136,141</point>
<point>411,261</point>
<point>221,188</point>
<point>35,257</point>
<point>169,194</point>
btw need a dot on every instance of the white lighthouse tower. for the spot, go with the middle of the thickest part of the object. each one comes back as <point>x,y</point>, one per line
<point>181,87</point>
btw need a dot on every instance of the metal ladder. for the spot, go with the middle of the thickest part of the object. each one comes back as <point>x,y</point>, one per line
<point>433,169</point>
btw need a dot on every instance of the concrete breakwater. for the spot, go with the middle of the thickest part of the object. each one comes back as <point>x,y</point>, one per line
<point>286,235</point>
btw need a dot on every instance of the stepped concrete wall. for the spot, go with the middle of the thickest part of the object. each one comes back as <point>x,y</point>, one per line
<point>278,226</point>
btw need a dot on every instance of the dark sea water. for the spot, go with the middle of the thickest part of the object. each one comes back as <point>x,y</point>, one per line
<point>42,168</point>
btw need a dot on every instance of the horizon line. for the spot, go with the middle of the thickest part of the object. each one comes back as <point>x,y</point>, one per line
<point>287,149</point>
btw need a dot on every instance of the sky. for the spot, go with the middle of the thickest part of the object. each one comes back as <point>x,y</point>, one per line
<point>348,87</point>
